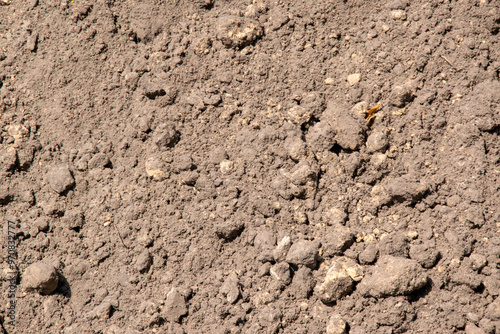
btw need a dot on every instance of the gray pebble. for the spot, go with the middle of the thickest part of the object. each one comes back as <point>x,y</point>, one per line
<point>238,32</point>
<point>41,277</point>
<point>376,141</point>
<point>304,253</point>
<point>144,261</point>
<point>100,160</point>
<point>229,230</point>
<point>369,254</point>
<point>175,306</point>
<point>183,162</point>
<point>281,250</point>
<point>339,279</point>
<point>478,261</point>
<point>281,272</point>
<point>166,136</point>
<point>335,216</point>
<point>336,325</point>
<point>60,179</point>
<point>393,276</point>
<point>401,95</point>
<point>492,285</point>
<point>102,311</point>
<point>231,289</point>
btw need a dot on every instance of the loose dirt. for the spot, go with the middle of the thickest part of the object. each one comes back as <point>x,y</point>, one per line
<point>215,166</point>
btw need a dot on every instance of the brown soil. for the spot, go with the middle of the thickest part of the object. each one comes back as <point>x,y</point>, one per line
<point>207,166</point>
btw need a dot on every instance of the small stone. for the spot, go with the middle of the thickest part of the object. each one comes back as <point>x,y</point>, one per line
<point>303,252</point>
<point>238,32</point>
<point>41,277</point>
<point>299,115</point>
<point>359,109</point>
<point>226,167</point>
<point>231,289</point>
<point>282,249</point>
<point>281,272</point>
<point>60,179</point>
<point>102,311</point>
<point>336,325</point>
<point>74,219</point>
<point>131,80</point>
<point>401,95</point>
<point>144,261</point>
<point>182,163</point>
<point>398,14</point>
<point>377,141</point>
<point>478,261</point>
<point>100,160</point>
<point>166,136</point>
<point>329,81</point>
<point>156,169</point>
<point>369,254</point>
<point>188,177</point>
<point>473,329</point>
<point>229,230</point>
<point>353,79</point>
<point>175,306</point>
<point>17,131</point>
<point>393,276</point>
<point>264,240</point>
<point>337,282</point>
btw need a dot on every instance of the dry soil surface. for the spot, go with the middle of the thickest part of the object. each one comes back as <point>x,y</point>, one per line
<point>216,166</point>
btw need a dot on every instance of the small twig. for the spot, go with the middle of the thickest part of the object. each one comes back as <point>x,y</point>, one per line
<point>449,62</point>
<point>120,236</point>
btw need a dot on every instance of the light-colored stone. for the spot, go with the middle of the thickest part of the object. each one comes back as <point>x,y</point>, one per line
<point>226,166</point>
<point>353,79</point>
<point>41,277</point>
<point>336,325</point>
<point>155,168</point>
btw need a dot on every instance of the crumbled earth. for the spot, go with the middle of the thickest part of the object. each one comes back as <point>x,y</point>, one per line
<point>210,166</point>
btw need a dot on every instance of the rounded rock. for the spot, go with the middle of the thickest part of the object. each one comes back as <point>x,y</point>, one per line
<point>60,179</point>
<point>377,141</point>
<point>41,277</point>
